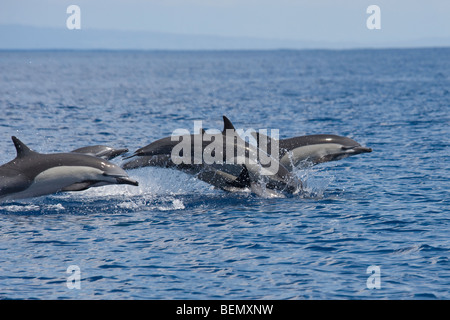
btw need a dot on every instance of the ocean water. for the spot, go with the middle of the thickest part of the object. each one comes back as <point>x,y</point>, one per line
<point>174,237</point>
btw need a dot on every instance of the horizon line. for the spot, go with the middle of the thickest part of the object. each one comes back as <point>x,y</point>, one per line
<point>260,44</point>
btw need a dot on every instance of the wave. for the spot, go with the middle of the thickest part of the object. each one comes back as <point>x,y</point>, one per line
<point>159,189</point>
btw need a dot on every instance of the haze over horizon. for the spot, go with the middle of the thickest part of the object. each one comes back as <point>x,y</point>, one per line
<point>223,24</point>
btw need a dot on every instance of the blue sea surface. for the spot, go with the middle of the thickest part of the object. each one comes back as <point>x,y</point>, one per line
<point>175,237</point>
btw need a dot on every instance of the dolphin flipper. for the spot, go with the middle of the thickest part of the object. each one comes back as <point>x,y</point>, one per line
<point>243,180</point>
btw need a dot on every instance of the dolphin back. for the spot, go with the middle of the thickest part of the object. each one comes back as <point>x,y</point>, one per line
<point>101,151</point>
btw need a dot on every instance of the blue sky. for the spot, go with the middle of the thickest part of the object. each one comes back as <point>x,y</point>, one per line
<point>313,20</point>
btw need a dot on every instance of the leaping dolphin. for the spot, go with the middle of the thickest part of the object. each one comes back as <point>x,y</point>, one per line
<point>101,151</point>
<point>230,173</point>
<point>312,149</point>
<point>33,174</point>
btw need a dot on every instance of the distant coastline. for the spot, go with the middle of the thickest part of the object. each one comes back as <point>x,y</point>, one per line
<point>20,37</point>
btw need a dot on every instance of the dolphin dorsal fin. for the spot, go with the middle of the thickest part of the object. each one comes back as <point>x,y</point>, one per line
<point>227,125</point>
<point>21,148</point>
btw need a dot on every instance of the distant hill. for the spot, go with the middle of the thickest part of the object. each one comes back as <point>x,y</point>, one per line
<point>24,37</point>
<point>27,37</point>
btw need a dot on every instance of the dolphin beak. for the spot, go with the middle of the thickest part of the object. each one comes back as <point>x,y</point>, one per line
<point>358,150</point>
<point>127,180</point>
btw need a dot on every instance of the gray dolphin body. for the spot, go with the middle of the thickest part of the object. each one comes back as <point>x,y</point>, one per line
<point>239,171</point>
<point>311,150</point>
<point>32,174</point>
<point>104,152</point>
